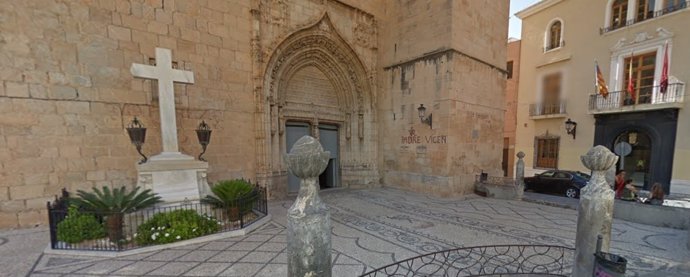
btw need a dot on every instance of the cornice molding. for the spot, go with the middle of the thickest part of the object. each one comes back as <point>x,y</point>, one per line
<point>537,7</point>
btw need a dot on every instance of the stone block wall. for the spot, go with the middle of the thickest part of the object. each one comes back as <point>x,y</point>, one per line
<point>66,93</point>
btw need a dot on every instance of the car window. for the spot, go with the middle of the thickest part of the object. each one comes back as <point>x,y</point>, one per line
<point>547,174</point>
<point>562,175</point>
<point>583,175</point>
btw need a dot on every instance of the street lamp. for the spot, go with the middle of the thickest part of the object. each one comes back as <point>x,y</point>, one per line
<point>423,117</point>
<point>203,133</point>
<point>571,127</point>
<point>137,135</point>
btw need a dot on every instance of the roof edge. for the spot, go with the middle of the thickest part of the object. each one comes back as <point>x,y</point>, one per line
<point>536,7</point>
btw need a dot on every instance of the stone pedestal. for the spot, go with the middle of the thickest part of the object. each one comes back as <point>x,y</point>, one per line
<point>175,180</point>
<point>308,220</point>
<point>520,176</point>
<point>595,213</point>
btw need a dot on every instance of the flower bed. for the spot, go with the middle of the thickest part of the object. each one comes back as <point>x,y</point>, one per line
<point>72,227</point>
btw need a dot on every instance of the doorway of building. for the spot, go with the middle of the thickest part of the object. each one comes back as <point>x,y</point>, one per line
<point>636,163</point>
<point>328,136</point>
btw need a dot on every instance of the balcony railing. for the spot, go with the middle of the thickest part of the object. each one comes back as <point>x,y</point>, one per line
<point>547,108</point>
<point>666,10</point>
<point>620,101</point>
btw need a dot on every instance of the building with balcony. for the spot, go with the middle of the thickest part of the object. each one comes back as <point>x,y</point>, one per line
<point>644,121</point>
<point>509,123</point>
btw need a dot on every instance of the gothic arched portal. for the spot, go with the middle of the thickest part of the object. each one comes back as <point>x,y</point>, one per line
<point>315,78</point>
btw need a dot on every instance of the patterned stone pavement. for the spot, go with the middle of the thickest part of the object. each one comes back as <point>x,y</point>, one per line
<point>372,228</point>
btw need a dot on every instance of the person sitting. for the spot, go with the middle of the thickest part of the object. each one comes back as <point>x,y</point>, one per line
<point>657,195</point>
<point>629,192</point>
<point>620,182</point>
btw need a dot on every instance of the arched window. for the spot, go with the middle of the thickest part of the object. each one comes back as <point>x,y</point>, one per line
<point>619,13</point>
<point>555,35</point>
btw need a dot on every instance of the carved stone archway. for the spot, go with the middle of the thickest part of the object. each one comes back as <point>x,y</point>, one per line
<point>318,46</point>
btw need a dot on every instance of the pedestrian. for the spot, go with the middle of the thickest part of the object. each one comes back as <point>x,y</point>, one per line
<point>657,195</point>
<point>620,182</point>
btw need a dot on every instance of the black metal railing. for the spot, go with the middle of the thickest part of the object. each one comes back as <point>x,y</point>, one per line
<point>551,47</point>
<point>118,232</point>
<point>651,96</point>
<point>494,260</point>
<point>547,108</point>
<point>666,10</point>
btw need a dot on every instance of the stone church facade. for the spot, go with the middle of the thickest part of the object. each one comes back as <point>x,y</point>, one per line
<point>352,73</point>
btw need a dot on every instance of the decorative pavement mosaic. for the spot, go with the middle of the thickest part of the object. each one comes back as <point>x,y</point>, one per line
<point>373,228</point>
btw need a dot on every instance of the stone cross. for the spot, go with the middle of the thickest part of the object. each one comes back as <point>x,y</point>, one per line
<point>520,175</point>
<point>309,221</point>
<point>166,75</point>
<point>595,213</point>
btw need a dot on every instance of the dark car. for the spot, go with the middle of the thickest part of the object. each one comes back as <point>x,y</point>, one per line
<point>563,182</point>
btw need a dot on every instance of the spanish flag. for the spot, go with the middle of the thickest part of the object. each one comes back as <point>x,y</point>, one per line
<point>599,82</point>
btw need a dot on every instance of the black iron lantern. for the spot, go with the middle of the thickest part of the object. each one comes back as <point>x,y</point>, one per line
<point>203,133</point>
<point>422,115</point>
<point>137,135</point>
<point>571,127</point>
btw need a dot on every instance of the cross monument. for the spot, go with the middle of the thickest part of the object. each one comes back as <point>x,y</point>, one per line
<point>166,75</point>
<point>174,176</point>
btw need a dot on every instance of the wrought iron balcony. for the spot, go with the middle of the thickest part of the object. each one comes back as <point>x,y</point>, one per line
<point>620,101</point>
<point>547,109</point>
<point>666,10</point>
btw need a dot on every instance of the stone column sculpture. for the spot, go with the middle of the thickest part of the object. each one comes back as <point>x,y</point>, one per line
<point>595,214</point>
<point>309,221</point>
<point>520,176</point>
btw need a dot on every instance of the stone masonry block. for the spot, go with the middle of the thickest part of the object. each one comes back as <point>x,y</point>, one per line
<point>73,107</point>
<point>32,218</point>
<point>13,89</point>
<point>95,175</point>
<point>119,33</point>
<point>26,192</point>
<point>8,220</point>
<point>63,92</point>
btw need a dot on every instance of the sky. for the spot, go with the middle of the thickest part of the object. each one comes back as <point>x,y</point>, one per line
<point>515,23</point>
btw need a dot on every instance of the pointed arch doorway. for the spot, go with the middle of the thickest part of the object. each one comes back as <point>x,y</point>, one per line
<point>315,83</point>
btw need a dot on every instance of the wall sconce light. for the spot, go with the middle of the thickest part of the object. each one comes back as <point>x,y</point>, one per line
<point>203,133</point>
<point>571,127</point>
<point>137,134</point>
<point>423,117</point>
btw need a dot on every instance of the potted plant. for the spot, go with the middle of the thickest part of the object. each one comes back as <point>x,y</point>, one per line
<point>113,205</point>
<point>235,196</point>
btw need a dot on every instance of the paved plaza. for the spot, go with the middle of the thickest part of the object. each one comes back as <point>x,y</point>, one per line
<point>371,228</point>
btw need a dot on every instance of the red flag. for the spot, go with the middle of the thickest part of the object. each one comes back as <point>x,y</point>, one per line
<point>663,85</point>
<point>631,87</point>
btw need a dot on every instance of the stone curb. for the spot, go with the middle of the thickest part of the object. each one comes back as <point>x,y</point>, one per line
<point>548,203</point>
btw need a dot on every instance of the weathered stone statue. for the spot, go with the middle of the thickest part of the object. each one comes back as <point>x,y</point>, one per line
<point>595,214</point>
<point>309,222</point>
<point>520,176</point>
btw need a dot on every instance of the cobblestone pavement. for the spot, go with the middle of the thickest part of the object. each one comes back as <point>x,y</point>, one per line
<point>372,228</point>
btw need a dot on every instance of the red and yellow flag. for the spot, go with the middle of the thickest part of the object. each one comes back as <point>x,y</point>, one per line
<point>663,84</point>
<point>599,82</point>
<point>631,86</point>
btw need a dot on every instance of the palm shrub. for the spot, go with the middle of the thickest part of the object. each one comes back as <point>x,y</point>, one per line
<point>114,204</point>
<point>235,196</point>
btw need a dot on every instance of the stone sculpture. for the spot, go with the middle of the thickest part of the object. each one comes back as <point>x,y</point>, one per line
<point>309,221</point>
<point>595,213</point>
<point>520,176</point>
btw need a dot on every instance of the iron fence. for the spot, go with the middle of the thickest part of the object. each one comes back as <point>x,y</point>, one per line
<point>619,99</point>
<point>124,231</point>
<point>495,260</point>
<point>547,108</point>
<point>666,10</point>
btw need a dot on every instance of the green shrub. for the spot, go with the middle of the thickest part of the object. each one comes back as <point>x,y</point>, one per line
<point>175,226</point>
<point>78,227</point>
<point>226,194</point>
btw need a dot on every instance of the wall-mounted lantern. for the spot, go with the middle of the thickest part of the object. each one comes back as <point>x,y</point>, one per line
<point>137,134</point>
<point>423,117</point>
<point>571,127</point>
<point>203,133</point>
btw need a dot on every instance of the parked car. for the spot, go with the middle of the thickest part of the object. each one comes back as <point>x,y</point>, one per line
<point>563,182</point>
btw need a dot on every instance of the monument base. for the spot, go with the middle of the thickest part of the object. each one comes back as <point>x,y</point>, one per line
<point>175,180</point>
